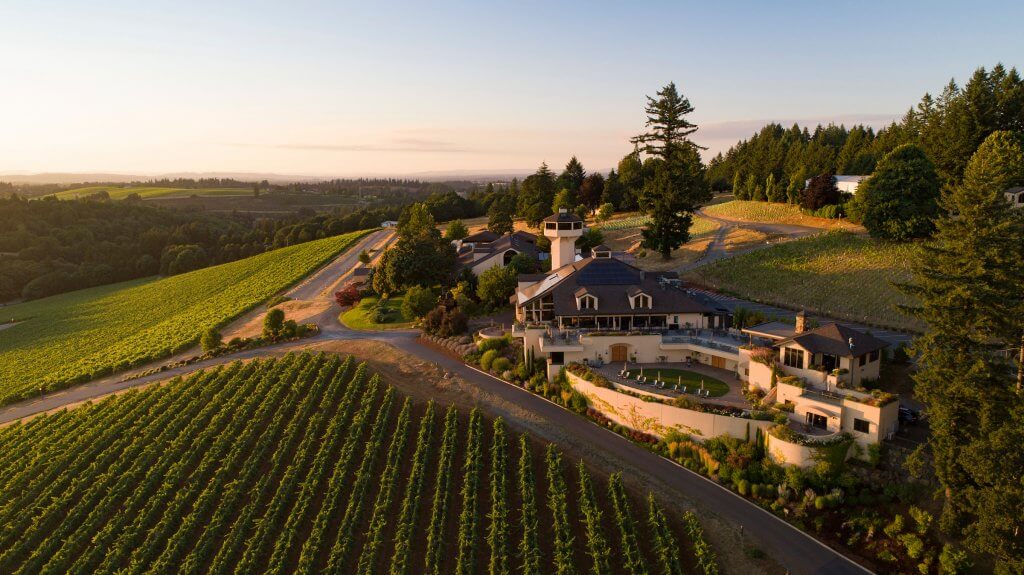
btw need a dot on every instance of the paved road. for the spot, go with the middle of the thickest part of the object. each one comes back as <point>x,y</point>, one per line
<point>795,550</point>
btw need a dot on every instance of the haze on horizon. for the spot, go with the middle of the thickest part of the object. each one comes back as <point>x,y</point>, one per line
<point>341,88</point>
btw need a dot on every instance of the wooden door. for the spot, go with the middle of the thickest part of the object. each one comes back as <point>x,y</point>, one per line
<point>718,362</point>
<point>619,352</point>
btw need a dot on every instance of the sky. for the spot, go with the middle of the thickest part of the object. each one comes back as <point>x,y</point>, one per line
<point>374,88</point>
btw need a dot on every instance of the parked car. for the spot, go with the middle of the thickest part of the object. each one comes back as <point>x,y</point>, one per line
<point>908,415</point>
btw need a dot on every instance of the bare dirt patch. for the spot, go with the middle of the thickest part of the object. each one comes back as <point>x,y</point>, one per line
<point>300,311</point>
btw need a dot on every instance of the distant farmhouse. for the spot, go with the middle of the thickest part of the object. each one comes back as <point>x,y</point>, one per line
<point>846,184</point>
<point>1016,197</point>
<point>388,224</point>
<point>485,249</point>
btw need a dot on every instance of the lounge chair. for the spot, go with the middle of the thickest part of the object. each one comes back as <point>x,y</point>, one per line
<point>675,387</point>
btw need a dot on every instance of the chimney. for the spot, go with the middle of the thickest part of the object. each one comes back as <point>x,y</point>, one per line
<point>801,322</point>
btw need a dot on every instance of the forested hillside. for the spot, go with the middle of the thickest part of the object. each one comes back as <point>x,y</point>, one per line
<point>49,247</point>
<point>949,128</point>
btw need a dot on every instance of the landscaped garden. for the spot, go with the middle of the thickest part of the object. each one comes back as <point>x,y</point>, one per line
<point>691,379</point>
<point>374,313</point>
<point>838,274</point>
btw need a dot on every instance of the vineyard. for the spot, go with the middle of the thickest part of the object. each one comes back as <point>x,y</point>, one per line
<point>78,336</point>
<point>701,226</point>
<point>754,211</point>
<point>838,274</point>
<point>310,464</point>
<point>145,192</point>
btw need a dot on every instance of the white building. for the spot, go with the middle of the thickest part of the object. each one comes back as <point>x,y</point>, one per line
<point>846,184</point>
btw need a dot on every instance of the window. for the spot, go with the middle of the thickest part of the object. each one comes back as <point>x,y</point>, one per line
<point>863,359</point>
<point>874,356</point>
<point>861,425</point>
<point>793,357</point>
<point>588,302</point>
<point>641,301</point>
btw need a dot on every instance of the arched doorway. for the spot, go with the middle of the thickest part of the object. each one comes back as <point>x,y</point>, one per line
<point>619,352</point>
<point>508,256</point>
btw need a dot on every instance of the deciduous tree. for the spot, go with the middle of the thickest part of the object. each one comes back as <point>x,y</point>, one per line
<point>900,199</point>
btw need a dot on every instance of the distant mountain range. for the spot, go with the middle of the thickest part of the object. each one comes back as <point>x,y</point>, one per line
<point>65,178</point>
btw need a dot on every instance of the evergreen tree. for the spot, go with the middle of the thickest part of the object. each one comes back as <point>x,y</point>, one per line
<point>899,200</point>
<point>563,201</point>
<point>456,231</point>
<point>614,191</point>
<point>591,191</point>
<point>536,195</point>
<point>631,174</point>
<point>967,280</point>
<point>499,218</point>
<point>572,177</point>
<point>678,186</point>
<point>737,187</point>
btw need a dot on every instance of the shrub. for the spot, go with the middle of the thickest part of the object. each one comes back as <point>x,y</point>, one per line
<point>211,340</point>
<point>953,561</point>
<point>605,211</point>
<point>348,296</point>
<point>487,359</point>
<point>498,343</point>
<point>273,322</point>
<point>418,302</point>
<point>922,519</point>
<point>743,486</point>
<point>500,364</point>
<point>444,322</point>
<point>894,529</point>
<point>496,286</point>
<point>914,545</point>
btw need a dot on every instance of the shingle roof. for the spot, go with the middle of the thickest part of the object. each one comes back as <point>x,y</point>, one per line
<point>773,329</point>
<point>835,339</point>
<point>610,281</point>
<point>498,246</point>
<point>483,236</point>
<point>563,217</point>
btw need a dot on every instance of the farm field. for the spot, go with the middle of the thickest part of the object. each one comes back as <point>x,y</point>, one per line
<point>74,337</point>
<point>837,274</point>
<point>310,464</point>
<point>121,192</point>
<point>636,221</point>
<point>772,213</point>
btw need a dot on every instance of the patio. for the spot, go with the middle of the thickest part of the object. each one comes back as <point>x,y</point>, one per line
<point>733,397</point>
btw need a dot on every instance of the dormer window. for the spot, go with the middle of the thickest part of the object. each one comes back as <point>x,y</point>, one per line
<point>640,301</point>
<point>586,302</point>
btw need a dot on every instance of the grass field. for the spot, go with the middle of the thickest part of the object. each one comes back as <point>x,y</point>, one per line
<point>772,213</point>
<point>838,274</point>
<point>692,380</point>
<point>636,221</point>
<point>120,192</point>
<point>361,316</point>
<point>74,337</point>
<point>309,464</point>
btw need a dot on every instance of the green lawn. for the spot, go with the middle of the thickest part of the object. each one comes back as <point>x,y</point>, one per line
<point>121,192</point>
<point>636,221</point>
<point>838,274</point>
<point>361,316</point>
<point>754,211</point>
<point>692,380</point>
<point>81,335</point>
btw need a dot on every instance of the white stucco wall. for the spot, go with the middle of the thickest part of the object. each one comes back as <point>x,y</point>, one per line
<point>657,419</point>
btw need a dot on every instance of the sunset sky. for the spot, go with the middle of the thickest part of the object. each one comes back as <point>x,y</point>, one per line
<point>337,88</point>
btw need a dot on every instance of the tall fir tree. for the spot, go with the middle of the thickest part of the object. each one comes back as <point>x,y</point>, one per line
<point>537,193</point>
<point>678,186</point>
<point>968,281</point>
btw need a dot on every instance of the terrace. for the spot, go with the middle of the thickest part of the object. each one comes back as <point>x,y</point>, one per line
<point>712,339</point>
<point>681,379</point>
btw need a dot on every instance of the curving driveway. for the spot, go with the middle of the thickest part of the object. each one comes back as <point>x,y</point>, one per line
<point>798,552</point>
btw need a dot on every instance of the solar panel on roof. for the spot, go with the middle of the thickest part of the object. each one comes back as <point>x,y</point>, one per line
<point>607,273</point>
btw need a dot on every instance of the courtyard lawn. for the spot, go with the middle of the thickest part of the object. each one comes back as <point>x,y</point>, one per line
<point>837,274</point>
<point>361,316</point>
<point>691,379</point>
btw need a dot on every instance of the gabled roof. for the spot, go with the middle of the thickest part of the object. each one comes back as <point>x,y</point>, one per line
<point>611,281</point>
<point>835,339</point>
<point>525,236</point>
<point>481,237</point>
<point>498,246</point>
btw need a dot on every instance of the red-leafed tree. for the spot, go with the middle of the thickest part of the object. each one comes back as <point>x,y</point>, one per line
<point>349,295</point>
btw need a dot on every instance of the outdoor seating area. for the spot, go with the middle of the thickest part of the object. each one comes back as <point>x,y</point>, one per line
<point>678,379</point>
